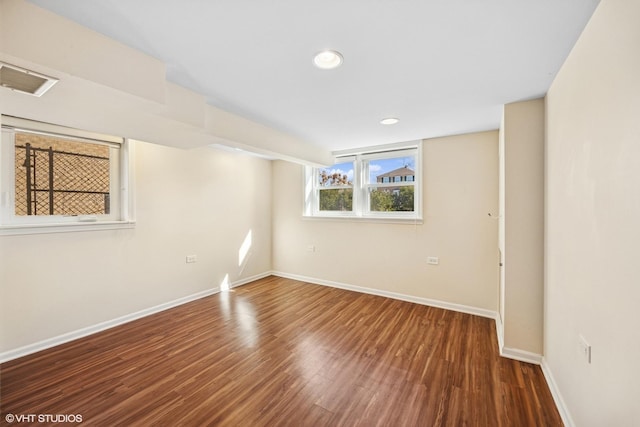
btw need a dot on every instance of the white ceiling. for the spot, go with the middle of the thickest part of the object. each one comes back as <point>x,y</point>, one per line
<point>442,66</point>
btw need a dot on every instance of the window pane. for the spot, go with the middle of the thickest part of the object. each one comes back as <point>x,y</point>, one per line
<point>56,176</point>
<point>338,174</point>
<point>384,185</point>
<point>337,199</point>
<point>394,169</point>
<point>389,199</point>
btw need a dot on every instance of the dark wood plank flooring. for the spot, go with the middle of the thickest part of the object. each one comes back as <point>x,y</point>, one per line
<point>282,352</point>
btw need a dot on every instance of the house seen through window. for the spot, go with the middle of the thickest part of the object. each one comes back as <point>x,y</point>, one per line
<point>377,185</point>
<point>335,187</point>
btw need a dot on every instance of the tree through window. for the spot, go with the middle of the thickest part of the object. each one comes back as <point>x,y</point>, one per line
<point>383,184</point>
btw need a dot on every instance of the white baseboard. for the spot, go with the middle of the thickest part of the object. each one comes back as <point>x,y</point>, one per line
<point>409,298</point>
<point>250,279</point>
<point>70,336</point>
<point>557,397</point>
<point>89,330</point>
<point>500,331</point>
<point>521,355</point>
<point>511,353</point>
<point>514,353</point>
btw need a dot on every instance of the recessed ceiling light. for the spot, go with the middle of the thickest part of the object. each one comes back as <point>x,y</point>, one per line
<point>389,121</point>
<point>327,59</point>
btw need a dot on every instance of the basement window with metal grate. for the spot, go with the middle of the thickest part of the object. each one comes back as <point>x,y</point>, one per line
<point>54,179</point>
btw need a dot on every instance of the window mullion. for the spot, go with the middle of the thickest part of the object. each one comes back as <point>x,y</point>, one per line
<point>370,198</point>
<point>361,170</point>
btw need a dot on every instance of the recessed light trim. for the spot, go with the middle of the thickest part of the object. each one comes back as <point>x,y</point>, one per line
<point>389,121</point>
<point>328,59</point>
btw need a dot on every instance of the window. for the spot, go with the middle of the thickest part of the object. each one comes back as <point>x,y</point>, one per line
<point>335,187</point>
<point>56,179</point>
<point>367,184</point>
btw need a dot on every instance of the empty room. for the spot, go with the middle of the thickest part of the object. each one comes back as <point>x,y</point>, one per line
<point>305,213</point>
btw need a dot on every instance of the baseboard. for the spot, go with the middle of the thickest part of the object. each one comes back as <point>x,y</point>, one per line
<point>250,279</point>
<point>81,333</point>
<point>70,336</point>
<point>511,353</point>
<point>514,353</point>
<point>402,297</point>
<point>557,397</point>
<point>500,331</point>
<point>521,355</point>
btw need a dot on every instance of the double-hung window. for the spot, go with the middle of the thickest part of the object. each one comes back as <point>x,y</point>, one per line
<point>374,184</point>
<point>54,178</point>
<point>335,188</point>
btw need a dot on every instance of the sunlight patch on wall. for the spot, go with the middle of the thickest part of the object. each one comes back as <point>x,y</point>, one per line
<point>224,285</point>
<point>308,194</point>
<point>244,249</point>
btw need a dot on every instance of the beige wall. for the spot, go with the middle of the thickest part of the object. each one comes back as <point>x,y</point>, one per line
<point>522,225</point>
<point>198,201</point>
<point>460,189</point>
<point>202,201</point>
<point>501,230</point>
<point>593,220</point>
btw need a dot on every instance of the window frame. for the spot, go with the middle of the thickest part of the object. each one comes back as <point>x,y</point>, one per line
<point>362,186</point>
<point>121,159</point>
<point>317,188</point>
<point>367,186</point>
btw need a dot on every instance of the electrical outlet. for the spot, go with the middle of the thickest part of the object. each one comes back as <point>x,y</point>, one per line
<point>433,260</point>
<point>585,348</point>
<point>191,258</point>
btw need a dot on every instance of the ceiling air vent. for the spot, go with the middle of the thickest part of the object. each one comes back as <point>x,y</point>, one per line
<point>25,81</point>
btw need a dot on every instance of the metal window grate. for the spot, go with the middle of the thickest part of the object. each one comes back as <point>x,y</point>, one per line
<point>60,177</point>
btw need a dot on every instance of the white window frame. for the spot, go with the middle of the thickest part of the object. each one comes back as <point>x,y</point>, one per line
<point>362,186</point>
<point>367,186</point>
<point>316,189</point>
<point>122,207</point>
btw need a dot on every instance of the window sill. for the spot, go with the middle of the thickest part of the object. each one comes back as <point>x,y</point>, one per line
<point>372,219</point>
<point>13,230</point>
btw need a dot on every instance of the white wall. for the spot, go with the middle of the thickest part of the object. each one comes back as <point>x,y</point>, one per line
<point>593,220</point>
<point>202,201</point>
<point>460,189</point>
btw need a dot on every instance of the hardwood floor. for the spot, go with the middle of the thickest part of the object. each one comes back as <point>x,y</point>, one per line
<point>282,352</point>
